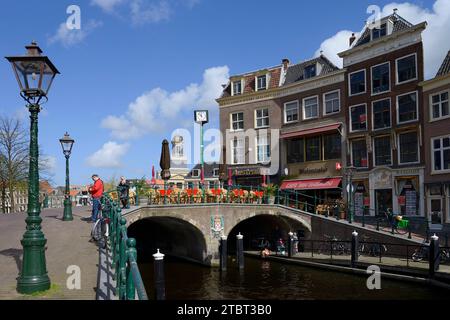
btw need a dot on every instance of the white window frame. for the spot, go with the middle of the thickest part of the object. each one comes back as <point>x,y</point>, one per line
<point>374,151</point>
<point>433,171</point>
<point>399,148</point>
<point>216,172</point>
<point>417,107</point>
<point>325,102</point>
<point>256,82</point>
<point>350,86</point>
<point>317,107</point>
<point>372,30</point>
<point>232,88</point>
<point>298,111</point>
<point>350,117</point>
<point>232,150</point>
<point>440,104</point>
<point>256,118</point>
<point>231,121</point>
<point>371,79</point>
<point>266,136</point>
<point>351,153</point>
<point>390,114</point>
<point>396,69</point>
<point>199,172</point>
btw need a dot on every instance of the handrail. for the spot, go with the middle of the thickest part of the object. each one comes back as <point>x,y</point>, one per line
<point>124,254</point>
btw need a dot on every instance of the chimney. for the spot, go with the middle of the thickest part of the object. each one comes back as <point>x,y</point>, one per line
<point>285,63</point>
<point>352,39</point>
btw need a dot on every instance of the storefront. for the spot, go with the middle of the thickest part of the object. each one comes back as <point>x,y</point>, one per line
<point>438,204</point>
<point>250,177</point>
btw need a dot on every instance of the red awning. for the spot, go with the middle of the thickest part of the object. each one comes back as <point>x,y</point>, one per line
<point>306,132</point>
<point>326,183</point>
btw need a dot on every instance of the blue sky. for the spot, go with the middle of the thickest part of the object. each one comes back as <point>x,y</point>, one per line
<point>137,68</point>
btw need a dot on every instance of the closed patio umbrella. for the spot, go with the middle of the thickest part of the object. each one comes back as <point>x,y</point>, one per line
<point>164,163</point>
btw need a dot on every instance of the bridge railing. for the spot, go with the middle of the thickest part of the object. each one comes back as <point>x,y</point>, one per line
<point>123,253</point>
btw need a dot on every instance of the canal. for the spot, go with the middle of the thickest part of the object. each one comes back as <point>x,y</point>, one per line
<point>263,279</point>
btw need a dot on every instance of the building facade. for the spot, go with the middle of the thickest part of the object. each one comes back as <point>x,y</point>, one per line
<point>384,115</point>
<point>210,177</point>
<point>436,94</point>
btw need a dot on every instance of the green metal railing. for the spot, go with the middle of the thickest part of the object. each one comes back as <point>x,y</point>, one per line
<point>123,252</point>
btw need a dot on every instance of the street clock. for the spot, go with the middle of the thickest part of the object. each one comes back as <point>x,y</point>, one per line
<point>201,116</point>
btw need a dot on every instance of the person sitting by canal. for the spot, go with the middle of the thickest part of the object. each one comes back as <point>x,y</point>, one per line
<point>124,192</point>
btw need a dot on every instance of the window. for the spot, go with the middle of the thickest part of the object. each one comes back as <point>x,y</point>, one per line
<point>380,78</point>
<point>309,72</point>
<point>179,185</point>
<point>332,146</point>
<point>237,147</point>
<point>262,118</point>
<point>332,102</point>
<point>358,117</point>
<point>378,33</point>
<point>262,148</point>
<point>291,112</point>
<point>407,107</point>
<point>406,69</point>
<point>196,173</point>
<point>261,83</point>
<point>441,154</point>
<point>408,147</point>
<point>439,105</point>
<point>237,87</point>
<point>310,107</point>
<point>237,121</point>
<point>295,151</point>
<point>216,172</point>
<point>359,154</point>
<point>313,149</point>
<point>382,150</point>
<point>211,184</point>
<point>190,185</point>
<point>381,114</point>
<point>357,82</point>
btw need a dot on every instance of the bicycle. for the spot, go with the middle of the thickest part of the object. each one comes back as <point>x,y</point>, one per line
<point>333,245</point>
<point>371,248</point>
<point>100,230</point>
<point>423,253</point>
<point>395,223</point>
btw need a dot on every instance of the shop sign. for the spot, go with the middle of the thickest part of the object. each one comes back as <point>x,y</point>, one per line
<point>312,170</point>
<point>247,172</point>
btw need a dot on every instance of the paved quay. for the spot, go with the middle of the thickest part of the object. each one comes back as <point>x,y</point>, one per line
<point>67,244</point>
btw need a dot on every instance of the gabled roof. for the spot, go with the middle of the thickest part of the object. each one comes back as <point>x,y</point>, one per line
<point>209,170</point>
<point>398,22</point>
<point>445,67</point>
<point>295,72</point>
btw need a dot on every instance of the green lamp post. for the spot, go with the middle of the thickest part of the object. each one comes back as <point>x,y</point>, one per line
<point>66,144</point>
<point>35,74</point>
<point>349,175</point>
<point>201,117</point>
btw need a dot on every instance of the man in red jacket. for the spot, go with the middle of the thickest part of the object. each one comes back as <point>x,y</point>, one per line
<point>96,192</point>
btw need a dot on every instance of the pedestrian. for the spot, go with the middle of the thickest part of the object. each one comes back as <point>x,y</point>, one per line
<point>124,192</point>
<point>96,192</point>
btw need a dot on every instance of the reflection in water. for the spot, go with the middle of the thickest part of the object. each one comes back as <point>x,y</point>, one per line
<point>263,279</point>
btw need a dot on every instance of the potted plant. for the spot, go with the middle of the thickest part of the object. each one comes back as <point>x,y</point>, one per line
<point>271,191</point>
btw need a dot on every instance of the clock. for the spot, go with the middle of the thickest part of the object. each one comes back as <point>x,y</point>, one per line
<point>201,116</point>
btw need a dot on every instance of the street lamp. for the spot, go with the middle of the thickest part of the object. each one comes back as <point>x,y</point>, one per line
<point>66,144</point>
<point>201,117</point>
<point>349,172</point>
<point>35,74</point>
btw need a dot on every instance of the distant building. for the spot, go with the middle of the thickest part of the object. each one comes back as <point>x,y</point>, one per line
<point>211,176</point>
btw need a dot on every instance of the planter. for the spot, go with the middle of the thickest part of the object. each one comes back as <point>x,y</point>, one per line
<point>271,199</point>
<point>342,214</point>
<point>143,201</point>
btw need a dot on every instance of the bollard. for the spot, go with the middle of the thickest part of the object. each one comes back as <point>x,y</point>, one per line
<point>291,244</point>
<point>354,248</point>
<point>378,224</point>
<point>131,290</point>
<point>409,231</point>
<point>240,250</point>
<point>223,253</point>
<point>160,290</point>
<point>434,255</point>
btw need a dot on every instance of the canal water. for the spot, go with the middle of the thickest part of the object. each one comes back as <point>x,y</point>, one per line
<point>263,279</point>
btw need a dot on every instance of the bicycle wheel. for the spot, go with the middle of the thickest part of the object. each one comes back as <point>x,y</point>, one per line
<point>417,255</point>
<point>96,232</point>
<point>401,231</point>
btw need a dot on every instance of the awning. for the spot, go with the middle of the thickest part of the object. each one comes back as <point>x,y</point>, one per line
<point>325,183</point>
<point>311,131</point>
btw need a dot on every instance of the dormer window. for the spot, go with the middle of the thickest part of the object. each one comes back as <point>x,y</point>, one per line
<point>216,172</point>
<point>309,72</point>
<point>236,88</point>
<point>196,173</point>
<point>379,32</point>
<point>261,83</point>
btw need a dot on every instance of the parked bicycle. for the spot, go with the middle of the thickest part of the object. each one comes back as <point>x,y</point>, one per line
<point>333,245</point>
<point>397,223</point>
<point>422,253</point>
<point>100,230</point>
<point>371,248</point>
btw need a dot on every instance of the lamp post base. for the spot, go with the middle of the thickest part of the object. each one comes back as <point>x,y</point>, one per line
<point>67,211</point>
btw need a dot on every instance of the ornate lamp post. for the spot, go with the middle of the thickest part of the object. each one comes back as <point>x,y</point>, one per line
<point>201,117</point>
<point>66,144</point>
<point>35,74</point>
<point>349,172</point>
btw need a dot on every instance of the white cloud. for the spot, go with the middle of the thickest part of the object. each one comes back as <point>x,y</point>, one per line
<point>149,13</point>
<point>69,37</point>
<point>50,163</point>
<point>109,156</point>
<point>159,109</point>
<point>435,37</point>
<point>107,5</point>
